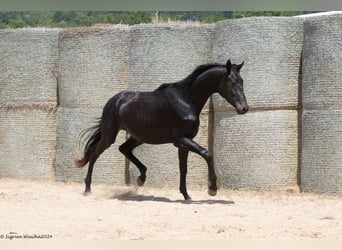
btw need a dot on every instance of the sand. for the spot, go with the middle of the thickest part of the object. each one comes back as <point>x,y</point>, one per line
<point>56,210</point>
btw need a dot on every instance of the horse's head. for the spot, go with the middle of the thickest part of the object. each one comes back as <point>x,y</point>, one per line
<point>231,88</point>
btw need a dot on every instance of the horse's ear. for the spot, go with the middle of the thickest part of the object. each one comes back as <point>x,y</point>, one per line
<point>240,66</point>
<point>229,67</point>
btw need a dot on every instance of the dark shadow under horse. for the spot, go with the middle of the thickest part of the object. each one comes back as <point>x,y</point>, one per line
<point>169,114</point>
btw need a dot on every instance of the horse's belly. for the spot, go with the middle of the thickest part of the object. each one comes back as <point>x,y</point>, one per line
<point>150,119</point>
<point>150,128</point>
<point>148,135</point>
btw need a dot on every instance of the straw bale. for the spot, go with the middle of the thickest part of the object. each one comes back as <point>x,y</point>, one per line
<point>271,48</point>
<point>28,60</point>
<point>322,62</point>
<point>321,169</point>
<point>163,165</point>
<point>258,150</point>
<point>27,141</point>
<point>71,122</point>
<point>93,65</point>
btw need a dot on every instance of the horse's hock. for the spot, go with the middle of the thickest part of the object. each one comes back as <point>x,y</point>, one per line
<point>291,135</point>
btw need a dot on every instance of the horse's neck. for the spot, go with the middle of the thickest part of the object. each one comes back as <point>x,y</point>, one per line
<point>204,86</point>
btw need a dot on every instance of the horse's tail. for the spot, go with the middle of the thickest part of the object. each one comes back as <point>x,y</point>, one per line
<point>93,138</point>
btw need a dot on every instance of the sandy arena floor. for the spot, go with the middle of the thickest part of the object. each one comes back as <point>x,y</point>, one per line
<point>60,211</point>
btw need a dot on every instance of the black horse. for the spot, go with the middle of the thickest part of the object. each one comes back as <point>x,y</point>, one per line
<point>169,114</point>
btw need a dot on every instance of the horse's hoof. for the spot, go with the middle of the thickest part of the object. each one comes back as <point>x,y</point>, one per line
<point>140,182</point>
<point>212,192</point>
<point>187,198</point>
<point>86,193</point>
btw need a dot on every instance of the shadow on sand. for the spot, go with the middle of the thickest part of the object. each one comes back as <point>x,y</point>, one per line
<point>132,196</point>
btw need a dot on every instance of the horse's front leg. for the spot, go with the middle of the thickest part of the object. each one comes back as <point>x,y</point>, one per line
<point>194,147</point>
<point>183,167</point>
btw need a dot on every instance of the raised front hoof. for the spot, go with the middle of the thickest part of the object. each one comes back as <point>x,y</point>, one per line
<point>140,182</point>
<point>212,192</point>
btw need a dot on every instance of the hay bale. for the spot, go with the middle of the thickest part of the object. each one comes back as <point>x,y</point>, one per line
<point>166,53</point>
<point>322,103</point>
<point>163,165</point>
<point>71,122</point>
<point>322,151</point>
<point>258,150</point>
<point>92,65</point>
<point>322,63</point>
<point>28,141</point>
<point>271,48</point>
<point>28,60</point>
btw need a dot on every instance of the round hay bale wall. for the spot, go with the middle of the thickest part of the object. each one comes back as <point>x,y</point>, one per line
<point>165,54</point>
<point>321,154</point>
<point>271,48</point>
<point>28,87</point>
<point>28,60</point>
<point>259,149</point>
<point>322,62</point>
<point>92,65</point>
<point>292,76</point>
<point>28,141</point>
<point>322,103</point>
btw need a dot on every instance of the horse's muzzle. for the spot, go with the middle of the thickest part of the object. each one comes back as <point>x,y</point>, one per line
<point>241,109</point>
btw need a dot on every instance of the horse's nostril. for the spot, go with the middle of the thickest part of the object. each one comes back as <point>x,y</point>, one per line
<point>244,109</point>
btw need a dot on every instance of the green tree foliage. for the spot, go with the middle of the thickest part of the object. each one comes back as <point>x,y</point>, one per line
<point>88,18</point>
<point>241,14</point>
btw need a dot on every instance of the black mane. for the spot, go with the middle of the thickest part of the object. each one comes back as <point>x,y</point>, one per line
<point>186,83</point>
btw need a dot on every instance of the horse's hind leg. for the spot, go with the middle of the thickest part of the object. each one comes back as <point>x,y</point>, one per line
<point>100,148</point>
<point>108,137</point>
<point>127,149</point>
